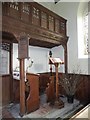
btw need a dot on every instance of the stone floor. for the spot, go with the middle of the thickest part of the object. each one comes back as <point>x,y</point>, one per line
<point>47,111</point>
<point>5,114</point>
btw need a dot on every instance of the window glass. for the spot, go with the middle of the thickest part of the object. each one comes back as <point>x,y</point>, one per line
<point>4,62</point>
<point>82,27</point>
<point>85,26</point>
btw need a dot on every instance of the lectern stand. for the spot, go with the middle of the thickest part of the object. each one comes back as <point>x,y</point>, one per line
<point>56,62</point>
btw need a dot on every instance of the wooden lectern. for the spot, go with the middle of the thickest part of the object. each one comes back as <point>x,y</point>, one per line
<point>56,62</point>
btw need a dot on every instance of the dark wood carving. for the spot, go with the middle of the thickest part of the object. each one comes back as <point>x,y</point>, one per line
<point>13,9</point>
<point>30,15</point>
<point>51,23</point>
<point>62,27</point>
<point>46,28</point>
<point>23,46</point>
<point>33,100</point>
<point>57,25</point>
<point>25,12</point>
<point>35,16</point>
<point>43,19</point>
<point>5,46</point>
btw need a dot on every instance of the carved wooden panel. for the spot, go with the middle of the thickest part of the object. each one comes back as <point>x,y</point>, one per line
<point>62,27</point>
<point>25,12</point>
<point>43,20</point>
<point>14,5</point>
<point>14,9</point>
<point>26,8</point>
<point>5,46</point>
<point>32,18</point>
<point>23,45</point>
<point>57,26</point>
<point>35,16</point>
<point>51,23</point>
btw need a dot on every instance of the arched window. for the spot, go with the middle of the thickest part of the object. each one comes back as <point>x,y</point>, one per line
<point>4,58</point>
<point>85,33</point>
<point>82,29</point>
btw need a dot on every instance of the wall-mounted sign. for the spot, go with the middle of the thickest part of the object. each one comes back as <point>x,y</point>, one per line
<point>23,46</point>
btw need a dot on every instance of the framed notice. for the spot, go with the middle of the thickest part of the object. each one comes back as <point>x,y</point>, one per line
<point>23,46</point>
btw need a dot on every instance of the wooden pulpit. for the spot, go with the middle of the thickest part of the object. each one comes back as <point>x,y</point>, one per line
<point>56,62</point>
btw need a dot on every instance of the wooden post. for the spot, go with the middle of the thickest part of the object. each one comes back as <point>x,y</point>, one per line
<point>58,102</point>
<point>56,68</point>
<point>11,72</point>
<point>22,88</point>
<point>23,45</point>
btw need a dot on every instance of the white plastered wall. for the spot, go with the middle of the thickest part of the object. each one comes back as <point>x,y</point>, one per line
<point>39,56</point>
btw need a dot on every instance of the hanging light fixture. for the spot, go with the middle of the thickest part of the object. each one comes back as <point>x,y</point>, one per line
<point>56,1</point>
